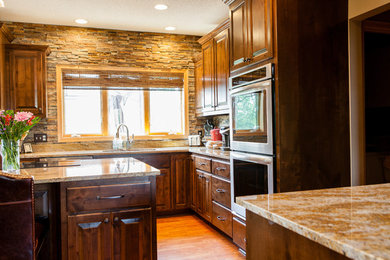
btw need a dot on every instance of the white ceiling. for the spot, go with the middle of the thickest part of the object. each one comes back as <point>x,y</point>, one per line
<point>193,17</point>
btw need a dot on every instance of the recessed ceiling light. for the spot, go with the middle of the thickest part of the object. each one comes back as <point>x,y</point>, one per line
<point>2,3</point>
<point>161,7</point>
<point>81,21</point>
<point>170,28</point>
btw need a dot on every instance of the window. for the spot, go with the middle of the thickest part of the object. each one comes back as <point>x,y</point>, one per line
<point>94,102</point>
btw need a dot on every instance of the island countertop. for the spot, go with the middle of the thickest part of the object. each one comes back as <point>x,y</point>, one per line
<point>91,170</point>
<point>353,221</point>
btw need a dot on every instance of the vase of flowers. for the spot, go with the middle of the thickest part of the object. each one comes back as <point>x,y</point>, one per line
<point>14,128</point>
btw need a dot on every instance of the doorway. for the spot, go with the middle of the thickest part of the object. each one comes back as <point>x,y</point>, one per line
<point>376,64</point>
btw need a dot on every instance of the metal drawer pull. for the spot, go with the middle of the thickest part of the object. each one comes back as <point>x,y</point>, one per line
<point>220,168</point>
<point>110,198</point>
<point>221,218</point>
<point>220,190</point>
<point>106,220</point>
<point>116,219</point>
<point>201,164</point>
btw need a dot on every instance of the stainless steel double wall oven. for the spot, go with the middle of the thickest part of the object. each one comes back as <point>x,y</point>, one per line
<point>251,124</point>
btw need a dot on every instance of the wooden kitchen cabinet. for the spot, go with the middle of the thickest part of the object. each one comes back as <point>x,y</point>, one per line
<point>198,84</point>
<point>181,179</point>
<point>132,234</point>
<point>163,190</point>
<point>26,66</point>
<point>85,235</point>
<point>6,37</point>
<point>109,219</point>
<point>210,191</point>
<point>251,38</point>
<point>203,199</point>
<point>215,77</point>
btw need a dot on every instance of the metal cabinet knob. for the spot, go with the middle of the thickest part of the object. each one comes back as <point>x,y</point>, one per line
<point>106,220</point>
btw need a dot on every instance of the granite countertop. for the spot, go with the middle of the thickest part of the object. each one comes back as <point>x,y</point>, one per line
<point>92,170</point>
<point>103,152</point>
<point>210,152</point>
<point>353,221</point>
<point>200,150</point>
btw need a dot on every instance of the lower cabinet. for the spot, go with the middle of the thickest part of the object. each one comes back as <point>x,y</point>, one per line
<point>109,222</point>
<point>203,195</point>
<point>239,233</point>
<point>124,234</point>
<point>222,219</point>
<point>89,236</point>
<point>180,165</point>
<point>163,190</point>
<point>132,234</point>
<point>173,184</point>
<point>210,192</point>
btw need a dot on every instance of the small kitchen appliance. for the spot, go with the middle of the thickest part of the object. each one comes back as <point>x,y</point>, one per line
<point>225,132</point>
<point>194,140</point>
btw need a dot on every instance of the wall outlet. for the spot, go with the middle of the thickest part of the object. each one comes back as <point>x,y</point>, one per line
<point>40,138</point>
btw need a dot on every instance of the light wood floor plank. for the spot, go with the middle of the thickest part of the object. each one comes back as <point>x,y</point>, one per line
<point>187,237</point>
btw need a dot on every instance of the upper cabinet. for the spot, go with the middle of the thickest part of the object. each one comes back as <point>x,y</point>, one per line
<point>212,98</point>
<point>251,32</point>
<point>5,38</point>
<point>27,78</point>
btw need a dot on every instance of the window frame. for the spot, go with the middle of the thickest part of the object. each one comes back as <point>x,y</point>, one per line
<point>104,136</point>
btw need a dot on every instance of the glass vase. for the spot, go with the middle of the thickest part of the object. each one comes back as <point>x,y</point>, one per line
<point>10,154</point>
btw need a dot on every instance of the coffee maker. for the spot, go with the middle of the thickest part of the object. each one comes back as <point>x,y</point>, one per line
<point>225,131</point>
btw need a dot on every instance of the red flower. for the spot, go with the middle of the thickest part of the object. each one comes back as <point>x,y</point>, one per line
<point>7,119</point>
<point>29,121</point>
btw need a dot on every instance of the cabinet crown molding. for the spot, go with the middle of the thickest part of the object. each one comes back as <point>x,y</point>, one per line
<point>43,48</point>
<point>6,32</point>
<point>228,2</point>
<point>225,24</point>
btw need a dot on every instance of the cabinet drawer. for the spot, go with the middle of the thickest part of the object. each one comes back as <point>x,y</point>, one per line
<point>108,196</point>
<point>222,219</point>
<point>239,233</point>
<point>221,192</point>
<point>221,168</point>
<point>203,164</point>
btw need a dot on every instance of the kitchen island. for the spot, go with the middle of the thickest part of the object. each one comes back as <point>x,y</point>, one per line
<point>100,209</point>
<point>339,223</point>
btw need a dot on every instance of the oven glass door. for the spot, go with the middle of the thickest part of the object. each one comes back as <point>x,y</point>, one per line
<point>249,115</point>
<point>251,174</point>
<point>250,178</point>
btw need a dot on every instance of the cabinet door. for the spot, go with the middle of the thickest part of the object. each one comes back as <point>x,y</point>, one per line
<point>193,185</point>
<point>222,70</point>
<point>27,81</point>
<point>207,197</point>
<point>180,168</point>
<point>163,190</point>
<point>89,236</point>
<point>238,39</point>
<point>132,234</point>
<point>208,76</point>
<point>199,86</point>
<point>200,192</point>
<point>260,30</point>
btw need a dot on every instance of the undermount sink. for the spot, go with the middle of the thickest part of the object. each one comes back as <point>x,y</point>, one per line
<point>130,150</point>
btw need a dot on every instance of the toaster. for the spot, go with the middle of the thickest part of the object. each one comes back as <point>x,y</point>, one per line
<point>194,140</point>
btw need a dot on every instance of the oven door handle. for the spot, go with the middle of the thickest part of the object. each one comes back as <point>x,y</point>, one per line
<point>251,89</point>
<point>266,160</point>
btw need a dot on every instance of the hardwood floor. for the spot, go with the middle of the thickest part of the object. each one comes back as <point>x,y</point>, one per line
<point>187,237</point>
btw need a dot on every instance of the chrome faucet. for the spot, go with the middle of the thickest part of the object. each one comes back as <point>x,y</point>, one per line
<point>128,140</point>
